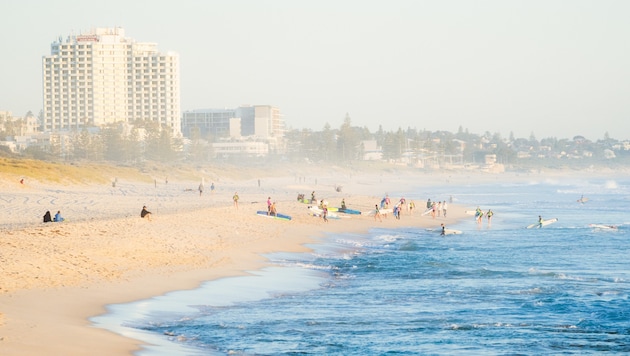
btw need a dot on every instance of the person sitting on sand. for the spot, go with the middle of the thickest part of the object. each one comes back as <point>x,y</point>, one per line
<point>145,213</point>
<point>47,217</point>
<point>58,217</point>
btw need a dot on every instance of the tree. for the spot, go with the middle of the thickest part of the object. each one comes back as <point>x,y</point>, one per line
<point>348,141</point>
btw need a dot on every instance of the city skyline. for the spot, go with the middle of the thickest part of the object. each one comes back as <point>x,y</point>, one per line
<point>553,68</point>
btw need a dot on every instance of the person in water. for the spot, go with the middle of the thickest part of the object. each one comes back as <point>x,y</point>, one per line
<point>540,221</point>
<point>145,214</point>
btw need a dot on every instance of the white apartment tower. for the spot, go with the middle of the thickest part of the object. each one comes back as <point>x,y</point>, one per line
<point>103,77</point>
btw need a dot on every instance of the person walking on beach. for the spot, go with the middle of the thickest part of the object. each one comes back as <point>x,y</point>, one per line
<point>325,213</point>
<point>212,188</point>
<point>377,213</point>
<point>444,208</point>
<point>200,189</point>
<point>412,206</point>
<point>439,208</point>
<point>479,216</point>
<point>235,199</point>
<point>145,214</point>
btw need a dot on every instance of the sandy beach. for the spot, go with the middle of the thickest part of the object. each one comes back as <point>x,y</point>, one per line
<point>55,276</point>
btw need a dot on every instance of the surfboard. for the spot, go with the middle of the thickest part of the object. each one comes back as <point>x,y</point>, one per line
<point>603,227</point>
<point>451,232</point>
<point>427,212</point>
<point>315,211</point>
<point>582,200</point>
<point>373,211</point>
<point>544,223</point>
<point>278,216</point>
<point>349,211</point>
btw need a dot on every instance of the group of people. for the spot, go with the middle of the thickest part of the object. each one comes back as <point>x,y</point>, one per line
<point>397,208</point>
<point>479,215</point>
<point>48,217</point>
<point>437,208</point>
<point>271,207</point>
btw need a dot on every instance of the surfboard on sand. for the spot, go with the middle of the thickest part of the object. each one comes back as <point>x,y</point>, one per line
<point>544,223</point>
<point>315,211</point>
<point>277,216</point>
<point>349,211</point>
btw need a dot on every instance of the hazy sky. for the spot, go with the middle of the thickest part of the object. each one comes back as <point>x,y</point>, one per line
<point>552,68</point>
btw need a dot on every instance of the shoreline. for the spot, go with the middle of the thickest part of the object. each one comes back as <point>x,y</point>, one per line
<point>58,275</point>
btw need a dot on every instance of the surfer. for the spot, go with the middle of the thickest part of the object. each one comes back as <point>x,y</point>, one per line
<point>377,213</point>
<point>540,221</point>
<point>443,230</point>
<point>489,215</point>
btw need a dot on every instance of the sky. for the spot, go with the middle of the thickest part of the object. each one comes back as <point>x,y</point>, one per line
<point>549,68</point>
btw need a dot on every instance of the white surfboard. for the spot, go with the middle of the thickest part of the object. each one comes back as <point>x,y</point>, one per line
<point>544,223</point>
<point>603,227</point>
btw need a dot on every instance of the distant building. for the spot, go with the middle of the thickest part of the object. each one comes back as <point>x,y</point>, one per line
<point>261,121</point>
<point>103,77</point>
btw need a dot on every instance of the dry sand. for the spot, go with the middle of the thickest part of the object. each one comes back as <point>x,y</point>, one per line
<point>56,275</point>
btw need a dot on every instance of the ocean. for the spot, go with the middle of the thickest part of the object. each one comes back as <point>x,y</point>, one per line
<point>493,290</point>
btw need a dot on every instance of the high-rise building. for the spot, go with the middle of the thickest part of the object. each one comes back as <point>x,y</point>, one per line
<point>103,77</point>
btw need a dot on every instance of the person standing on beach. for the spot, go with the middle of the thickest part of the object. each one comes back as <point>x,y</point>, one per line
<point>212,188</point>
<point>272,209</point>
<point>412,206</point>
<point>235,199</point>
<point>444,208</point>
<point>325,213</point>
<point>200,188</point>
<point>268,205</point>
<point>377,213</point>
